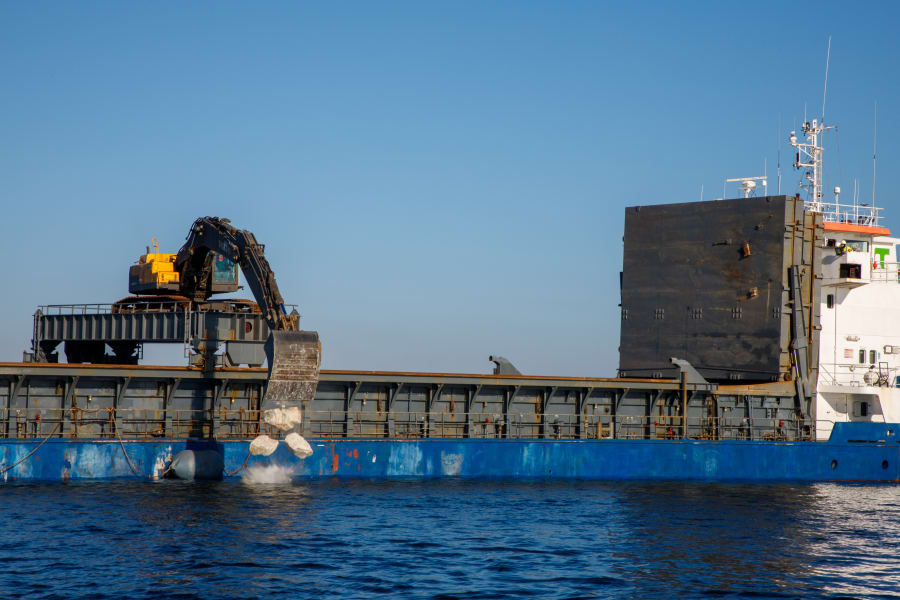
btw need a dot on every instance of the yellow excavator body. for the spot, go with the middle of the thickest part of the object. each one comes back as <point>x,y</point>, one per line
<point>154,273</point>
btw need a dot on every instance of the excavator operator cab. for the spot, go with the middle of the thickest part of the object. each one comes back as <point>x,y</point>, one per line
<point>225,271</point>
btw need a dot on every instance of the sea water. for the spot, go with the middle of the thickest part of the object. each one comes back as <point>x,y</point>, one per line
<point>447,539</point>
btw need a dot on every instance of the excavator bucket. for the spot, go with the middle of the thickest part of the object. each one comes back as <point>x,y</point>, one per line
<point>294,358</point>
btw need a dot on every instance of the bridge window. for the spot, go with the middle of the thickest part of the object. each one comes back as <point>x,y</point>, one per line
<point>873,357</point>
<point>829,300</point>
<point>862,356</point>
<point>849,271</point>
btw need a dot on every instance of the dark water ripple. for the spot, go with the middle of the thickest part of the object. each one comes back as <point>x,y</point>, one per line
<point>448,540</point>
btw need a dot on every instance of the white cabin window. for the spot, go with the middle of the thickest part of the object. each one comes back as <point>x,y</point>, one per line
<point>862,356</point>
<point>850,271</point>
<point>873,357</point>
<point>829,300</point>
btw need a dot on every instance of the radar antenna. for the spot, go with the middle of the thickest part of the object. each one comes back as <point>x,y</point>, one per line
<point>748,184</point>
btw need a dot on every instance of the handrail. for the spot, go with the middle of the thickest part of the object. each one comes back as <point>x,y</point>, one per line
<point>888,272</point>
<point>147,304</point>
<point>224,422</point>
<point>856,214</point>
<point>850,373</point>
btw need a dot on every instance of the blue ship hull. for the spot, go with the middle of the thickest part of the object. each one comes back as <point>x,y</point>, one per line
<point>855,452</point>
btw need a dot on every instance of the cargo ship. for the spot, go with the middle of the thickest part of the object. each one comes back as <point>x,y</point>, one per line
<point>760,341</point>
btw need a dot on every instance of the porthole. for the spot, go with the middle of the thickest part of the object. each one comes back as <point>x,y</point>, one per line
<point>834,464</point>
<point>884,464</point>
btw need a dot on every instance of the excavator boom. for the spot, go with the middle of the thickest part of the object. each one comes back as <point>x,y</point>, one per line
<point>294,356</point>
<point>215,236</point>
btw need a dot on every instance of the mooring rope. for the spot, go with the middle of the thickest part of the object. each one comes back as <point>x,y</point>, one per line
<point>243,465</point>
<point>128,458</point>
<point>27,456</point>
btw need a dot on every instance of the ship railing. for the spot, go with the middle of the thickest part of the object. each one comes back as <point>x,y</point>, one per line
<point>142,305</point>
<point>75,309</point>
<point>130,423</point>
<point>853,214</point>
<point>852,374</point>
<point>715,428</point>
<point>241,423</point>
<point>484,425</point>
<point>493,425</point>
<point>888,272</point>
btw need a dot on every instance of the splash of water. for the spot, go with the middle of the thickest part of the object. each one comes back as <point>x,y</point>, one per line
<point>271,473</point>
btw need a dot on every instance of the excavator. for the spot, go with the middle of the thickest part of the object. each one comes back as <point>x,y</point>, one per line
<point>207,264</point>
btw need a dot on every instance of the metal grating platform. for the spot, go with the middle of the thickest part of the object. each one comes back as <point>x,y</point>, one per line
<point>105,333</point>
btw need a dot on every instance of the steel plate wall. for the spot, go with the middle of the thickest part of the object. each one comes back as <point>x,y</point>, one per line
<point>709,282</point>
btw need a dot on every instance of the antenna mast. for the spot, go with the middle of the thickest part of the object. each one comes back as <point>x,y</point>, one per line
<point>874,140</point>
<point>809,154</point>
<point>777,135</point>
<point>825,91</point>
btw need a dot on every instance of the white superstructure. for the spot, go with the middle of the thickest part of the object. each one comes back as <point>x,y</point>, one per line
<point>859,342</point>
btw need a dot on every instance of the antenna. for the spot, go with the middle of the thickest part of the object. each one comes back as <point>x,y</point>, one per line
<point>809,153</point>
<point>701,192</point>
<point>777,145</point>
<point>825,91</point>
<point>874,140</point>
<point>748,184</point>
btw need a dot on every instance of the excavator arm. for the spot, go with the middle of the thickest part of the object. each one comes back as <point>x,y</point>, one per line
<point>210,236</point>
<point>294,356</point>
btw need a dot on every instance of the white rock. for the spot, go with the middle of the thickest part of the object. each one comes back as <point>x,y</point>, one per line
<point>298,445</point>
<point>263,445</point>
<point>283,418</point>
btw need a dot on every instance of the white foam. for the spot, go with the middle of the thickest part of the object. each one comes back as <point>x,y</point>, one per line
<point>263,474</point>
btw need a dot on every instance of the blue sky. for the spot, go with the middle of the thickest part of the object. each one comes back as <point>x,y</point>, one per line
<point>434,183</point>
